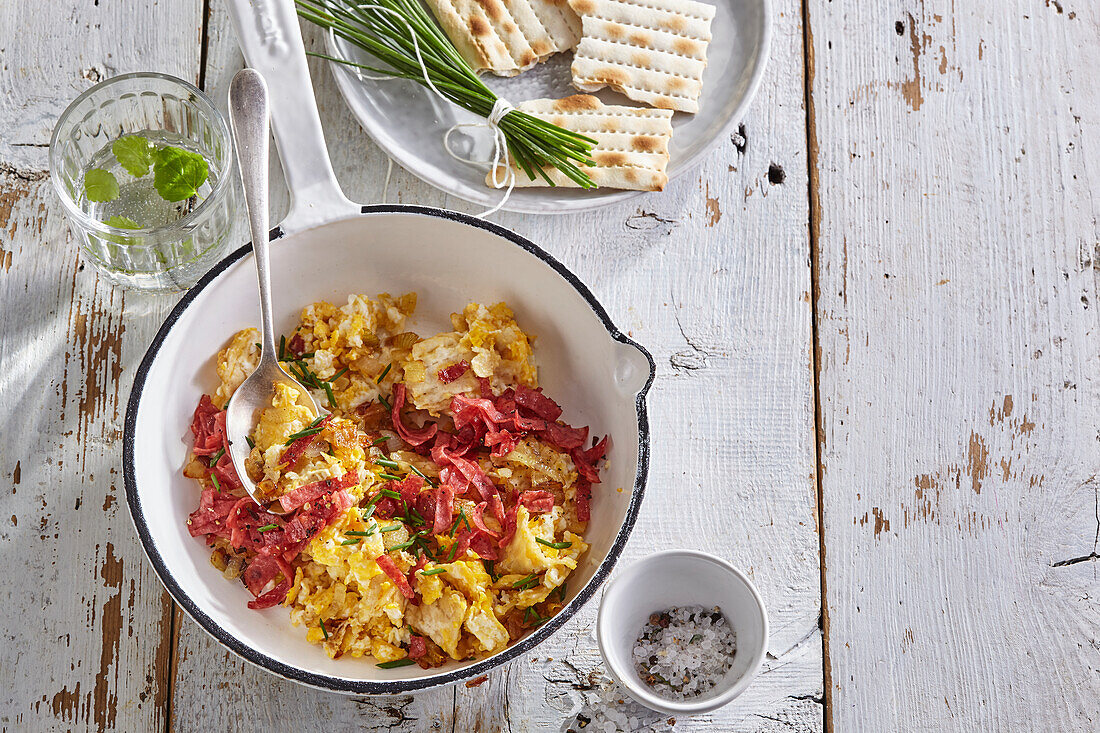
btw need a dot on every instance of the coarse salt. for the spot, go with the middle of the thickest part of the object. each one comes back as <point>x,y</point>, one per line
<point>683,652</point>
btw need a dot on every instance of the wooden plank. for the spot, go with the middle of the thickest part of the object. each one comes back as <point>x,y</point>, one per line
<point>713,276</point>
<point>956,209</point>
<point>85,629</point>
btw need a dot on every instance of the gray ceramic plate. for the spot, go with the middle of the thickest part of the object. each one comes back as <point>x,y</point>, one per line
<point>408,121</point>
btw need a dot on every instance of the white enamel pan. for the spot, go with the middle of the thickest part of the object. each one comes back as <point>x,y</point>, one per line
<point>326,248</point>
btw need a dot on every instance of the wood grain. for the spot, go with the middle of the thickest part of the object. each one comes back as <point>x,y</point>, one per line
<point>954,204</point>
<point>713,277</point>
<point>955,208</point>
<point>85,627</point>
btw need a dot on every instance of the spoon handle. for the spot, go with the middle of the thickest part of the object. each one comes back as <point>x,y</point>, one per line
<point>249,118</point>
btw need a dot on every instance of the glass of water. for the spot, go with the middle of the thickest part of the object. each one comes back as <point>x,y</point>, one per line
<point>145,168</point>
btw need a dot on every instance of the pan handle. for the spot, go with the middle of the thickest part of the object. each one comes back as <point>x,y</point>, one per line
<point>271,40</point>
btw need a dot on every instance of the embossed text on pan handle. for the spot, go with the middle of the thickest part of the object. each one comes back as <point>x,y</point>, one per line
<point>272,44</point>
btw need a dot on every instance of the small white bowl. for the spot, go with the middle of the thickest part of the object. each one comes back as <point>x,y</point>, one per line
<point>681,578</point>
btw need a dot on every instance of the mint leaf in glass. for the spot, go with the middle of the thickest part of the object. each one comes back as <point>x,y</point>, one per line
<point>122,222</point>
<point>100,185</point>
<point>178,173</point>
<point>134,153</point>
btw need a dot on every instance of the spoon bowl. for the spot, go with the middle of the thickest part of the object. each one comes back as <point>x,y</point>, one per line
<point>249,120</point>
<point>241,414</point>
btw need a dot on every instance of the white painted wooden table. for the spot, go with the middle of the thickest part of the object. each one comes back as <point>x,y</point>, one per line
<point>875,316</point>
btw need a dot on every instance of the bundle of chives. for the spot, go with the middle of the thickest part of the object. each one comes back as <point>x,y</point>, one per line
<point>384,28</point>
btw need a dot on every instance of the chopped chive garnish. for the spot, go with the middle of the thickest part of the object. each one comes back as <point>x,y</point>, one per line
<point>321,622</point>
<point>267,528</point>
<point>451,554</point>
<point>217,485</point>
<point>454,527</point>
<point>282,357</point>
<point>561,592</point>
<point>351,540</point>
<point>338,374</point>
<point>367,513</point>
<point>390,477</point>
<point>422,475</point>
<point>416,516</point>
<point>392,527</point>
<point>251,443</point>
<point>532,615</point>
<point>388,463</point>
<point>423,545</point>
<point>383,374</point>
<point>313,428</point>
<point>301,434</point>
<point>555,545</point>
<point>526,583</point>
<point>217,456</point>
<point>395,663</point>
<point>307,356</point>
<point>433,571</point>
<point>390,493</point>
<point>307,377</point>
<point>385,402</point>
<point>259,348</point>
<point>364,533</point>
<point>402,546</point>
<point>697,637</point>
<point>488,565</point>
<point>379,441</point>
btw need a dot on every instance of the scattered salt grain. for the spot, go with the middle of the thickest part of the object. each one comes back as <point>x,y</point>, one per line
<point>608,709</point>
<point>684,652</point>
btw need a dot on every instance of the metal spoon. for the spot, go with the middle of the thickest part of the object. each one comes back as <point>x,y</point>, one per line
<point>249,119</point>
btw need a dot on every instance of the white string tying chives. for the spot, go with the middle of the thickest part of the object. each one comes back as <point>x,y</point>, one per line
<point>500,108</point>
<point>500,150</point>
<point>501,156</point>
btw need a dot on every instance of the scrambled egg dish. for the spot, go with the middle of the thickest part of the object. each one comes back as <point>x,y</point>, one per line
<point>434,513</point>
